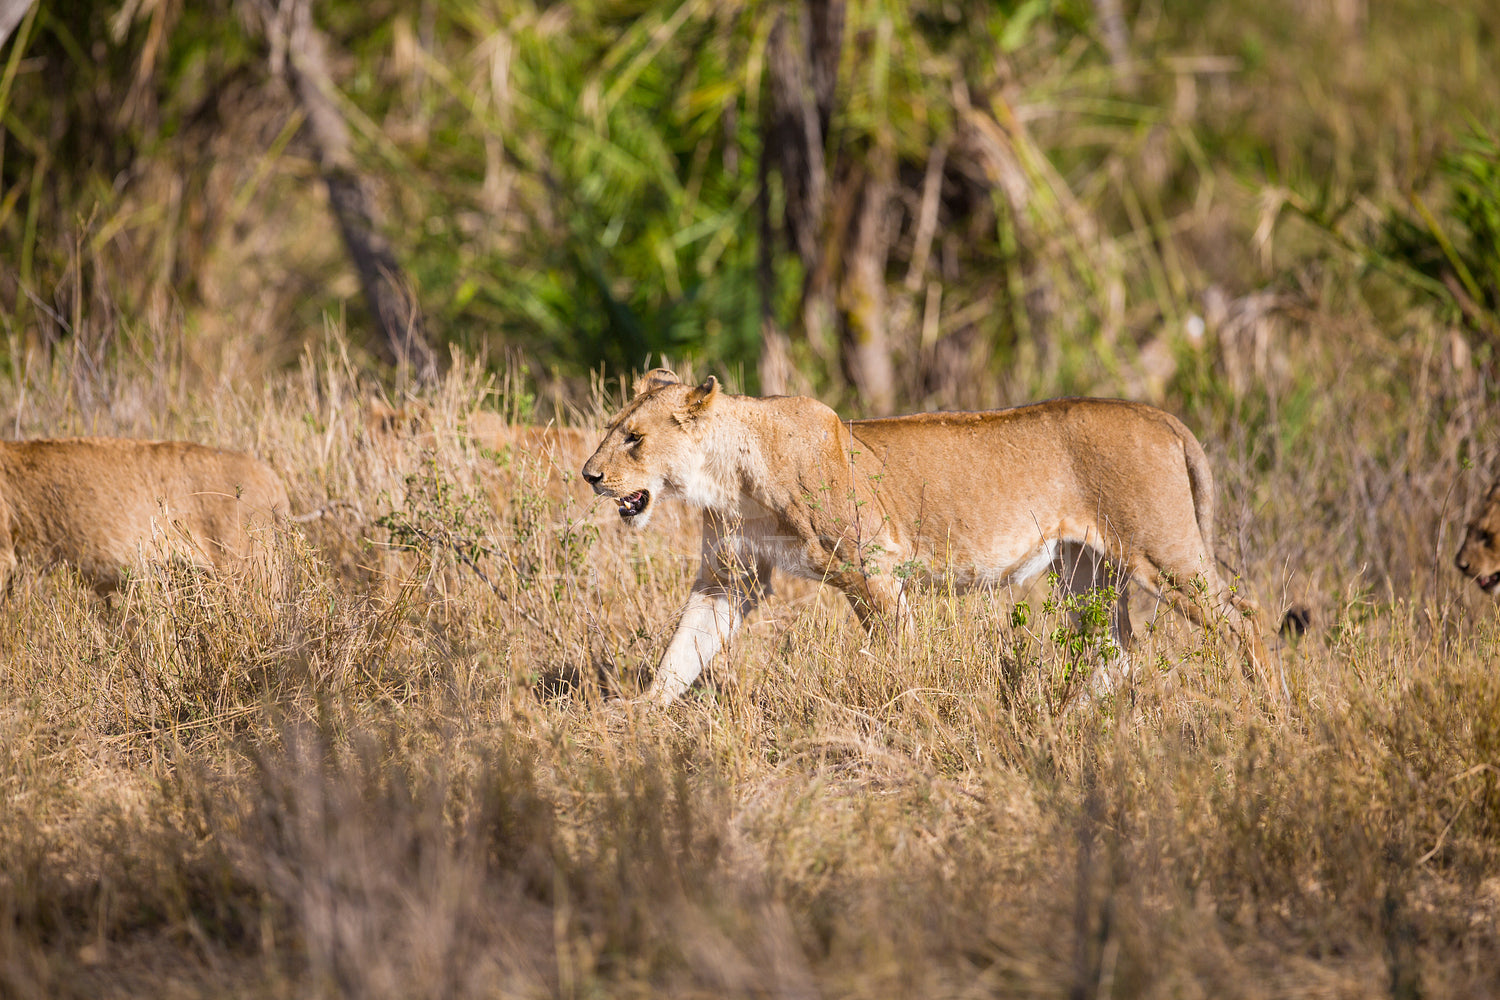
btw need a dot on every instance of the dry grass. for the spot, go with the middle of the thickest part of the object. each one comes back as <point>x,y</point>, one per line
<point>404,778</point>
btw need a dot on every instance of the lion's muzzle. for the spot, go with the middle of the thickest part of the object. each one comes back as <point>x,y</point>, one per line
<point>630,504</point>
<point>1488,582</point>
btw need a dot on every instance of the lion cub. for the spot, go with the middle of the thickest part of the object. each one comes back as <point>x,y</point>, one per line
<point>105,505</point>
<point>1103,491</point>
<point>1479,556</point>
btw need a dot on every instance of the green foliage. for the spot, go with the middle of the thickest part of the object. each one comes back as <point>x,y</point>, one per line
<point>102,90</point>
<point>1475,173</point>
<point>579,182</point>
<point>439,520</point>
<point>1459,257</point>
<point>626,152</point>
<point>1085,639</point>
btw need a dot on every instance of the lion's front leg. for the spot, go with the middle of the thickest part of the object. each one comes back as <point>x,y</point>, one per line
<point>708,621</point>
<point>724,593</point>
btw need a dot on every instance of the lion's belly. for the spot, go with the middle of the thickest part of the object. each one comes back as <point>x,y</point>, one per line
<point>951,553</point>
<point>995,566</point>
<point>993,552</point>
<point>757,536</point>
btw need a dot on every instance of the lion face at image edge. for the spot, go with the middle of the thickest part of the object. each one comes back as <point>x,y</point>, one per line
<point>647,449</point>
<point>1479,556</point>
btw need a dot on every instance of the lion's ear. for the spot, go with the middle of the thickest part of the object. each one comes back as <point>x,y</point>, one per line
<point>699,399</point>
<point>704,395</point>
<point>655,379</point>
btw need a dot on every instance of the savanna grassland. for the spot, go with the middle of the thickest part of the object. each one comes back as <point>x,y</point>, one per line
<point>407,773</point>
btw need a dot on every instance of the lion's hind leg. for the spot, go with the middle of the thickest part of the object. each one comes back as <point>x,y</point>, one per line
<point>880,604</point>
<point>1209,602</point>
<point>7,551</point>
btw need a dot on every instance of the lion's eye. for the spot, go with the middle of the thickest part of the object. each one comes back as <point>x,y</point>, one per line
<point>632,439</point>
<point>1483,537</point>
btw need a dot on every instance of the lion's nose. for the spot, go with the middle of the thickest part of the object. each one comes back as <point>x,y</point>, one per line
<point>592,478</point>
<point>1462,564</point>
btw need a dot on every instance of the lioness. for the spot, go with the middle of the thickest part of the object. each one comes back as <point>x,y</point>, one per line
<point>1479,556</point>
<point>1105,491</point>
<point>105,505</point>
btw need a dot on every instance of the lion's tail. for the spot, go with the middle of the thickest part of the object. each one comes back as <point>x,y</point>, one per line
<point>1201,482</point>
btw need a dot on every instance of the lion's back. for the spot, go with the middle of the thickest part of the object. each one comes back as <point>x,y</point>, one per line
<point>1087,446</point>
<point>104,504</point>
<point>991,483</point>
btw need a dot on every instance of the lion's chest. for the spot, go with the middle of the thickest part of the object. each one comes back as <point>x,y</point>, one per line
<point>760,536</point>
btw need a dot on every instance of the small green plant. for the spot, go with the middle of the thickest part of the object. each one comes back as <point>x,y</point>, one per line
<point>437,519</point>
<point>906,569</point>
<point>545,543</point>
<point>1086,638</point>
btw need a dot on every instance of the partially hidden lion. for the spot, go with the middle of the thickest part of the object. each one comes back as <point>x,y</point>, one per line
<point>549,449</point>
<point>108,505</point>
<point>1103,491</point>
<point>486,429</point>
<point>1478,557</point>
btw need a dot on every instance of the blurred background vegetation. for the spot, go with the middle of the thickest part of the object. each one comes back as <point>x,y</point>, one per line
<point>888,204</point>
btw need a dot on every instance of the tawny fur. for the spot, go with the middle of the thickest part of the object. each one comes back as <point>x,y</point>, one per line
<point>1103,491</point>
<point>108,505</point>
<point>487,430</point>
<point>1478,557</point>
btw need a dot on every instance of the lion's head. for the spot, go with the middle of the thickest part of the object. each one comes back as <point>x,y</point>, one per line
<point>651,448</point>
<point>1479,556</point>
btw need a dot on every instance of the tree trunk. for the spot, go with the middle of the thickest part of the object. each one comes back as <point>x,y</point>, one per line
<point>842,237</point>
<point>299,52</point>
<point>802,74</point>
<point>862,296</point>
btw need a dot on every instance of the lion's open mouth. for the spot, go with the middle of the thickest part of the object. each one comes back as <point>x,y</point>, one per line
<point>1488,584</point>
<point>636,502</point>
